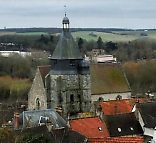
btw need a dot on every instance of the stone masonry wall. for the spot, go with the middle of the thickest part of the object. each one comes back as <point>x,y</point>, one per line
<point>65,86</point>
<point>37,94</point>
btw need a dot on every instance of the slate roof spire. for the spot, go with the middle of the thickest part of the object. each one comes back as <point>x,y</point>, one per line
<point>66,47</point>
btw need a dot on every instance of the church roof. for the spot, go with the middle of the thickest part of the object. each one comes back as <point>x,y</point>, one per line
<point>44,70</point>
<point>108,78</point>
<point>66,47</point>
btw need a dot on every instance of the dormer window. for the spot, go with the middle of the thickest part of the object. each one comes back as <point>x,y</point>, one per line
<point>100,128</point>
<point>119,129</point>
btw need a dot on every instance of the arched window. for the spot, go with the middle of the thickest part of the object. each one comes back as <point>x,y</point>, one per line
<point>72,98</point>
<point>38,105</point>
<point>100,99</point>
<point>118,97</point>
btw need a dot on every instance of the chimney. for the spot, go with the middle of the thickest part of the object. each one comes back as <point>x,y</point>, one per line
<point>16,120</point>
<point>68,120</point>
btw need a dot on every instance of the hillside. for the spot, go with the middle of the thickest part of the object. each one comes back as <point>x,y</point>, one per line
<point>115,35</point>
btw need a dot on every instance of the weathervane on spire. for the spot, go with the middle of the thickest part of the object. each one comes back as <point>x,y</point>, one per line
<point>65,8</point>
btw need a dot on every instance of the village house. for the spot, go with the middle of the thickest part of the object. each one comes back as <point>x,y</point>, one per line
<point>116,129</point>
<point>93,128</point>
<point>146,113</point>
<point>114,107</point>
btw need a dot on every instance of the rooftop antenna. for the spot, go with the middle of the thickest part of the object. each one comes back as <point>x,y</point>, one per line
<point>65,9</point>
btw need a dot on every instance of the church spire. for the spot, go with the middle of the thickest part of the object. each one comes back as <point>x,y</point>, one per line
<point>66,47</point>
<point>65,21</point>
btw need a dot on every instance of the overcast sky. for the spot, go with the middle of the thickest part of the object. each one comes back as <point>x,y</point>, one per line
<point>82,13</point>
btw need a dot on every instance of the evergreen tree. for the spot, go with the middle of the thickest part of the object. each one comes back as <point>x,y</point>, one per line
<point>99,43</point>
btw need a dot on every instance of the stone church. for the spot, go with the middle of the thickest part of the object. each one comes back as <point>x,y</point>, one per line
<point>66,83</point>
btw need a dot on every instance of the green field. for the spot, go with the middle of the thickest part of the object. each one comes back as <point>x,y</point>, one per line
<point>32,33</point>
<point>115,36</point>
<point>121,36</point>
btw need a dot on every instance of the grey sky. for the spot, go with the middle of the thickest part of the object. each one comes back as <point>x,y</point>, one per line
<point>82,13</point>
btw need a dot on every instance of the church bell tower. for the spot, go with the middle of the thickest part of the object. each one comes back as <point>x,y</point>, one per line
<point>70,85</point>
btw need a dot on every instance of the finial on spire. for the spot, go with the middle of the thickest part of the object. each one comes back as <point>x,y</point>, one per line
<point>65,10</point>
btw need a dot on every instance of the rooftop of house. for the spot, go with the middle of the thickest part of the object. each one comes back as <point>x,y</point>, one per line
<point>108,78</point>
<point>148,113</point>
<point>58,135</point>
<point>73,137</point>
<point>38,117</point>
<point>123,125</point>
<point>117,106</point>
<point>92,128</point>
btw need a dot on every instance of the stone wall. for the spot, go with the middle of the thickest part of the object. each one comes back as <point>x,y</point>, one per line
<point>72,92</point>
<point>110,96</point>
<point>37,98</point>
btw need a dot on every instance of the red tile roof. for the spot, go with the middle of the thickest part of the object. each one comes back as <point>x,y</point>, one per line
<point>114,107</point>
<point>117,107</point>
<point>92,128</point>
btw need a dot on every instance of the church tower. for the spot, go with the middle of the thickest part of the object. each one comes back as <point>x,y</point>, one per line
<point>70,85</point>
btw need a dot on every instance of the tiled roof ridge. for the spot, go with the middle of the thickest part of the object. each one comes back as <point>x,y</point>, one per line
<point>84,118</point>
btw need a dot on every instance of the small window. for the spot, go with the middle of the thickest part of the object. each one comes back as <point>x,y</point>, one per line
<point>119,129</point>
<point>60,99</point>
<point>55,62</point>
<point>38,103</point>
<point>100,128</point>
<point>72,98</point>
<point>100,99</point>
<point>131,128</point>
<point>72,63</point>
<point>118,97</point>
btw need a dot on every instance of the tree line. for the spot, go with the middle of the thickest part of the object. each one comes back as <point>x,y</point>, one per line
<point>141,75</point>
<point>124,51</point>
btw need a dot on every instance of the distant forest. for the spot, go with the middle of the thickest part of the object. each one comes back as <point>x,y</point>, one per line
<point>58,30</point>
